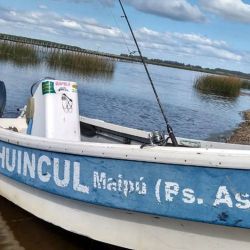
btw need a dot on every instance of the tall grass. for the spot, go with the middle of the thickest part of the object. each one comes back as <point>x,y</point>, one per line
<point>18,53</point>
<point>69,62</point>
<point>245,84</point>
<point>218,85</point>
<point>76,63</point>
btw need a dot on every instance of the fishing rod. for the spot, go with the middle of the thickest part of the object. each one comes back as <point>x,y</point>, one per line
<point>169,128</point>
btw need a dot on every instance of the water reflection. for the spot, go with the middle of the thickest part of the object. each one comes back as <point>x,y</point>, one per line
<point>18,54</point>
<point>209,95</point>
<point>216,99</point>
<point>21,230</point>
<point>82,74</point>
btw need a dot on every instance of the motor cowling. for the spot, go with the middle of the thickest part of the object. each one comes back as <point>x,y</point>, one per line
<point>2,98</point>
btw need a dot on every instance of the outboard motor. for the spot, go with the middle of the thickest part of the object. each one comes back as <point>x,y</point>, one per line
<point>53,110</point>
<point>2,97</point>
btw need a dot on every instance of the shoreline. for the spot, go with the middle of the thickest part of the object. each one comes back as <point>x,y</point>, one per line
<point>49,45</point>
<point>241,135</point>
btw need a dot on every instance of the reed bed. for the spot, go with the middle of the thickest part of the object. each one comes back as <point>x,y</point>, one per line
<point>76,63</point>
<point>18,53</point>
<point>70,62</point>
<point>218,85</point>
<point>245,84</point>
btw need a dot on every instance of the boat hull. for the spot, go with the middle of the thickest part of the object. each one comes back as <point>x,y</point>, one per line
<point>122,228</point>
<point>140,198</point>
<point>197,193</point>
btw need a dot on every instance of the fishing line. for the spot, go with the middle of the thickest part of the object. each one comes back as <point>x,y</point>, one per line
<point>169,128</point>
<point>117,24</point>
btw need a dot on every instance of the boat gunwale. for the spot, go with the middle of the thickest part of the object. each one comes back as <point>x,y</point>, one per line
<point>200,157</point>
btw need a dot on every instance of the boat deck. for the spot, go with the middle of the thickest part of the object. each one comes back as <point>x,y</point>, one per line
<point>94,130</point>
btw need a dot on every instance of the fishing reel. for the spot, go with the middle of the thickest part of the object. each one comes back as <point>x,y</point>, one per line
<point>158,138</point>
<point>162,138</point>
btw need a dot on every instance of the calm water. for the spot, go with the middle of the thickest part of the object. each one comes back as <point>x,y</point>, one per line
<point>126,98</point>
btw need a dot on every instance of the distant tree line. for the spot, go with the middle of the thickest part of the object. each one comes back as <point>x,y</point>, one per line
<point>187,66</point>
<point>129,57</point>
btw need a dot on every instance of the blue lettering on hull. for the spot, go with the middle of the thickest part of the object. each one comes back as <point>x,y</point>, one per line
<point>212,195</point>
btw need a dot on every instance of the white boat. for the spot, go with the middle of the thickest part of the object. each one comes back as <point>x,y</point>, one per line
<point>120,185</point>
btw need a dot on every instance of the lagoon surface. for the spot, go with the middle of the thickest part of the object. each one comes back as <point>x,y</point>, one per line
<point>124,98</point>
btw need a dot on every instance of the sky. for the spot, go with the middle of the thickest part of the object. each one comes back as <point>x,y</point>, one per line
<point>209,33</point>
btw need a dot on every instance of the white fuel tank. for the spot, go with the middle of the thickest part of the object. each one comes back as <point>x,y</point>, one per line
<point>56,111</point>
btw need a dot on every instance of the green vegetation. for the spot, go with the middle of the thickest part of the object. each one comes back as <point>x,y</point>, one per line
<point>77,63</point>
<point>18,53</point>
<point>218,85</point>
<point>178,65</point>
<point>245,84</point>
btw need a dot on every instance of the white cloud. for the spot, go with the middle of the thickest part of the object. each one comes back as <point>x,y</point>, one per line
<point>43,7</point>
<point>186,43</point>
<point>64,29</point>
<point>149,32</point>
<point>49,30</point>
<point>235,10</point>
<point>195,38</point>
<point>219,53</point>
<point>71,24</point>
<point>175,37</point>
<point>2,21</point>
<point>104,31</point>
<point>54,23</point>
<point>179,10</point>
